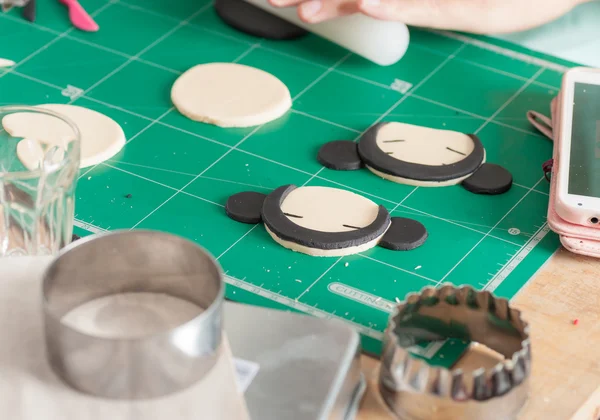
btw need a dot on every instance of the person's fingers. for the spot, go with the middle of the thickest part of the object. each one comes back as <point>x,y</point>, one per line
<point>308,10</point>
<point>285,3</point>
<point>411,12</point>
<point>314,11</point>
<point>377,9</point>
<point>477,16</point>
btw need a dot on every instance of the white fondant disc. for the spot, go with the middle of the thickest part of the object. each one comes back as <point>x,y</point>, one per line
<point>230,95</point>
<point>4,62</point>
<point>418,183</point>
<point>316,252</point>
<point>30,153</point>
<point>101,136</point>
<point>43,128</point>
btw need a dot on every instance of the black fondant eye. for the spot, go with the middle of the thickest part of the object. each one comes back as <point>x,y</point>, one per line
<point>456,151</point>
<point>351,227</point>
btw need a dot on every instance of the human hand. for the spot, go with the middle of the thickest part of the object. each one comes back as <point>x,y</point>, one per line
<point>476,16</point>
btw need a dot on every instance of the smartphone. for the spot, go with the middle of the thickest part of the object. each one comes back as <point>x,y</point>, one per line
<point>578,174</point>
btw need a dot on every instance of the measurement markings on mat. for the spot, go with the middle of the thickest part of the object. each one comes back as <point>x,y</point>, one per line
<point>517,259</point>
<point>276,297</point>
<point>88,226</point>
<point>365,298</point>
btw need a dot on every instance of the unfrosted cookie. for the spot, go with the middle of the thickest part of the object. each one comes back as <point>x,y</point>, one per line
<point>230,95</point>
<point>101,136</point>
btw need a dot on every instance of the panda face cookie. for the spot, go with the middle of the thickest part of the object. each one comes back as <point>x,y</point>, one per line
<point>420,156</point>
<point>323,221</point>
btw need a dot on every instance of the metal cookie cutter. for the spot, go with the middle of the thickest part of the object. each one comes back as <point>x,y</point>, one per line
<point>148,365</point>
<point>414,390</point>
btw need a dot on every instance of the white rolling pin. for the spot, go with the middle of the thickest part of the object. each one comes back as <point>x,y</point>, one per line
<point>382,42</point>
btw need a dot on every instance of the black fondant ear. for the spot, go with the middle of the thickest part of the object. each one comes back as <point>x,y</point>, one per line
<point>489,179</point>
<point>245,207</point>
<point>340,155</point>
<point>404,234</point>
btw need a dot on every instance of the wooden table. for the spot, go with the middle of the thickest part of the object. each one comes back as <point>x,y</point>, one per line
<point>565,382</point>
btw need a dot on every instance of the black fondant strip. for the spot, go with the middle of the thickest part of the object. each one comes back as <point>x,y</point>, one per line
<point>284,228</point>
<point>29,11</point>
<point>253,20</point>
<point>376,158</point>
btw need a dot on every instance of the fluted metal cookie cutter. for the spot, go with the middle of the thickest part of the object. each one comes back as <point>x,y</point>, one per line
<point>415,390</point>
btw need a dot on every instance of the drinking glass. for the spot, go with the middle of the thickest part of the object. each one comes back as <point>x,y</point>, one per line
<point>11,3</point>
<point>39,162</point>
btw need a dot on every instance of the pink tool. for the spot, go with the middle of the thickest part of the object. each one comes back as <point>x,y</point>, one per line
<point>79,17</point>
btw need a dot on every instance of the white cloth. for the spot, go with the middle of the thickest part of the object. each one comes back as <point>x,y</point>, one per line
<point>574,37</point>
<point>29,390</point>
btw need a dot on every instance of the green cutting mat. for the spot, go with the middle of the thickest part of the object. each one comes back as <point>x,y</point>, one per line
<point>180,173</point>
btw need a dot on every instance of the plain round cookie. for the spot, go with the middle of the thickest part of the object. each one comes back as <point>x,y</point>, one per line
<point>101,136</point>
<point>230,95</point>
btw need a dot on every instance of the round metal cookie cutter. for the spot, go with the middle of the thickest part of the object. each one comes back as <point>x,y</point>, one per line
<point>415,390</point>
<point>145,366</point>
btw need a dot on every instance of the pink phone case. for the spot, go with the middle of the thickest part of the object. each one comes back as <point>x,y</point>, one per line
<point>581,246</point>
<point>575,238</point>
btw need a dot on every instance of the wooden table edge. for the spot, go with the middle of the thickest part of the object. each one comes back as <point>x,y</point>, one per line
<point>565,382</point>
